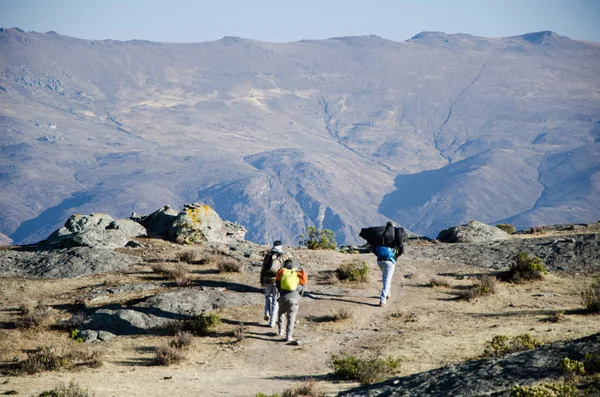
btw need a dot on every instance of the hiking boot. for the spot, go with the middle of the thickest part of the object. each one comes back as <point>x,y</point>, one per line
<point>381,304</point>
<point>266,318</point>
<point>289,339</point>
<point>280,333</point>
<point>272,325</point>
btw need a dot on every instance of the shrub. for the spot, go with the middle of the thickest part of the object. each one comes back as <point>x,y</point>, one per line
<point>357,271</point>
<point>486,285</point>
<point>308,389</point>
<point>317,239</point>
<point>240,332</point>
<point>199,325</point>
<point>182,340</point>
<point>501,345</point>
<point>510,229</point>
<point>178,273</point>
<point>229,265</point>
<point>48,358</point>
<point>591,361</point>
<point>590,297</point>
<point>167,355</point>
<point>364,370</point>
<point>526,268</point>
<point>572,367</point>
<point>545,389</point>
<point>556,317</point>
<point>439,282</point>
<point>62,390</point>
<point>188,256</point>
<point>343,314</point>
<point>33,316</point>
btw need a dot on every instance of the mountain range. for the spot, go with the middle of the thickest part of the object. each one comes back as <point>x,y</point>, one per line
<point>340,133</point>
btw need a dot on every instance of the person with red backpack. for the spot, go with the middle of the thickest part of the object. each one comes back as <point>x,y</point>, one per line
<point>290,284</point>
<point>272,262</point>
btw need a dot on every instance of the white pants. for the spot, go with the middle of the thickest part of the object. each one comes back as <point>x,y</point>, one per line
<point>387,268</point>
<point>271,304</point>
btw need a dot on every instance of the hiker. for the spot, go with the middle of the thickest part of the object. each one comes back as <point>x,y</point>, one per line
<point>386,260</point>
<point>272,262</point>
<point>290,283</point>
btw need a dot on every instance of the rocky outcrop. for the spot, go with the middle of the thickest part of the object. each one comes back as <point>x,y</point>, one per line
<point>96,230</point>
<point>472,232</point>
<point>197,223</point>
<point>489,377</point>
<point>129,227</point>
<point>159,223</point>
<point>573,253</point>
<point>159,310</point>
<point>62,263</point>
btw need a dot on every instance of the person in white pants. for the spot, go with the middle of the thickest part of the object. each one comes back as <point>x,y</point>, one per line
<point>272,262</point>
<point>386,260</point>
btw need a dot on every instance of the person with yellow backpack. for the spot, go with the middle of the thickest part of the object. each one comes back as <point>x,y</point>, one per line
<point>272,262</point>
<point>290,284</point>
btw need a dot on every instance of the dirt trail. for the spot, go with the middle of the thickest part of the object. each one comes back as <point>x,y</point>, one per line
<point>424,326</point>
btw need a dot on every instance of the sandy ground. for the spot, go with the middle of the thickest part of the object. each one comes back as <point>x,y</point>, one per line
<point>424,326</point>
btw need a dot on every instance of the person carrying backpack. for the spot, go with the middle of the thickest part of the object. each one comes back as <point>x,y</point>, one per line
<point>290,283</point>
<point>272,262</point>
<point>386,260</point>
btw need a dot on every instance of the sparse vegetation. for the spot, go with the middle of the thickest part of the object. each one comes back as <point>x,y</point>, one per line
<point>549,389</point>
<point>167,355</point>
<point>182,340</point>
<point>33,316</point>
<point>229,265</point>
<point>48,358</point>
<point>439,282</point>
<point>309,388</point>
<point>355,271</point>
<point>239,333</point>
<point>508,228</point>
<point>197,325</point>
<point>556,317</point>
<point>177,273</point>
<point>62,390</point>
<point>364,370</point>
<point>590,297</point>
<point>484,286</point>
<point>501,345</point>
<point>317,239</point>
<point>526,268</point>
<point>188,256</point>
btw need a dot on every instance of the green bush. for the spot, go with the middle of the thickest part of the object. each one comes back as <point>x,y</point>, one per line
<point>526,268</point>
<point>510,229</point>
<point>357,271</point>
<point>590,297</point>
<point>198,325</point>
<point>545,390</point>
<point>501,345</point>
<point>572,367</point>
<point>364,370</point>
<point>62,390</point>
<point>317,239</point>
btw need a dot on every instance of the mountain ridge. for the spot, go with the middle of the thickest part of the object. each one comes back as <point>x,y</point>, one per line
<point>282,135</point>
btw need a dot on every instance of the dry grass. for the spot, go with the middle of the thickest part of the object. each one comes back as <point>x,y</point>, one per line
<point>188,256</point>
<point>70,390</point>
<point>177,273</point>
<point>229,265</point>
<point>167,355</point>
<point>486,285</point>
<point>439,282</point>
<point>240,332</point>
<point>590,297</point>
<point>51,358</point>
<point>33,317</point>
<point>182,340</point>
<point>309,388</point>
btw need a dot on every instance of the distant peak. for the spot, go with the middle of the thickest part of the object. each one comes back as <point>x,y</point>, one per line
<point>232,40</point>
<point>440,36</point>
<point>545,37</point>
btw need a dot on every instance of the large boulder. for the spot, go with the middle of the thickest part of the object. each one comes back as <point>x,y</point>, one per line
<point>88,231</point>
<point>159,223</point>
<point>129,227</point>
<point>158,311</point>
<point>197,223</point>
<point>62,263</point>
<point>472,232</point>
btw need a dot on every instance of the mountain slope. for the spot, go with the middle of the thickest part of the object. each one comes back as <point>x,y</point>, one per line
<point>341,133</point>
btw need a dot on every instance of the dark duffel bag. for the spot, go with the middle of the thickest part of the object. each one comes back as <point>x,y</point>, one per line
<point>379,235</point>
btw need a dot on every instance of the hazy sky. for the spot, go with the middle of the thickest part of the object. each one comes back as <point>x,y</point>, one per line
<point>283,20</point>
